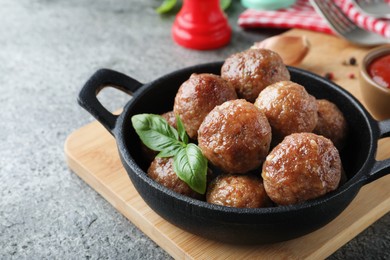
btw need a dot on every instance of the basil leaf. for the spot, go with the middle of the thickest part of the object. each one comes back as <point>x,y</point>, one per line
<point>170,151</point>
<point>155,132</point>
<point>166,6</point>
<point>182,131</point>
<point>225,4</point>
<point>191,166</point>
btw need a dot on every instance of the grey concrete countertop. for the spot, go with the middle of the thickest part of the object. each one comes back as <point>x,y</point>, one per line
<point>48,49</point>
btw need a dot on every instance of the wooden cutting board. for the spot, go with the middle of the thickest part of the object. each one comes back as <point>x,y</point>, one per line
<point>92,154</point>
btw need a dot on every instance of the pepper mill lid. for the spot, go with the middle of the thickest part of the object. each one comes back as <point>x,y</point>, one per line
<point>201,25</point>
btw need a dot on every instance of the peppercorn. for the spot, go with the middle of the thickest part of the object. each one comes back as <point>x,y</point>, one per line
<point>352,61</point>
<point>329,75</point>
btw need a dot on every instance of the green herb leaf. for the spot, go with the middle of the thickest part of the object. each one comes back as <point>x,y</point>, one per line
<point>170,151</point>
<point>182,131</point>
<point>166,6</point>
<point>155,132</point>
<point>189,163</point>
<point>191,167</point>
<point>225,4</point>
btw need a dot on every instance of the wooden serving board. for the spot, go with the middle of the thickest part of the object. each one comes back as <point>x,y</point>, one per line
<point>92,154</point>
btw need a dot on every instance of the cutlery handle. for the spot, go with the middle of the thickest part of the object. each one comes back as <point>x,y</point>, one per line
<point>99,80</point>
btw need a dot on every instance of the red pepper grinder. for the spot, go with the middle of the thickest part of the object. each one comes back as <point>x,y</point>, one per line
<point>201,25</point>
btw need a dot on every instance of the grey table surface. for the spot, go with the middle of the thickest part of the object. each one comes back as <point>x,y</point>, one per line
<point>48,49</point>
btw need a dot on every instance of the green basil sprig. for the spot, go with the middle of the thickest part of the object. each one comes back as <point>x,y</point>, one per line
<point>189,164</point>
<point>225,4</point>
<point>168,5</point>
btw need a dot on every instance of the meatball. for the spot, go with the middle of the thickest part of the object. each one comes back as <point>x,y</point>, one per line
<point>252,70</point>
<point>331,123</point>
<point>288,108</point>
<point>303,166</point>
<point>240,191</point>
<point>197,96</point>
<point>235,136</point>
<point>171,118</point>
<point>161,170</point>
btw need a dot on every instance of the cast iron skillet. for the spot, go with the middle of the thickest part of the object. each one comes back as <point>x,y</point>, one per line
<point>234,225</point>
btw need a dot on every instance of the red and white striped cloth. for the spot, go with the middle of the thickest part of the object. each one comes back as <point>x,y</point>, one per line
<point>380,26</point>
<point>302,15</point>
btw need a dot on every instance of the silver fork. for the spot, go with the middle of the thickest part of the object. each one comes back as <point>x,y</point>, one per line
<point>343,26</point>
<point>374,8</point>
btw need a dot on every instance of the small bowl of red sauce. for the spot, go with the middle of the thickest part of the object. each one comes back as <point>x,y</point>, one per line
<point>375,81</point>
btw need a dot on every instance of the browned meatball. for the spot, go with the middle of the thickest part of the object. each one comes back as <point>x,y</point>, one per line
<point>171,118</point>
<point>303,166</point>
<point>235,136</point>
<point>252,70</point>
<point>197,96</point>
<point>161,170</point>
<point>288,108</point>
<point>240,191</point>
<point>331,123</point>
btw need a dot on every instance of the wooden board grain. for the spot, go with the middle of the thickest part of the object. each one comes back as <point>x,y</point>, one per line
<point>92,154</point>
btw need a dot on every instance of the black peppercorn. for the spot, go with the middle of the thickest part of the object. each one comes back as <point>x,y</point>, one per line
<point>329,75</point>
<point>352,61</point>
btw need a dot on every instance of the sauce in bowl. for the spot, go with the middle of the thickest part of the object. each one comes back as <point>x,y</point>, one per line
<point>379,70</point>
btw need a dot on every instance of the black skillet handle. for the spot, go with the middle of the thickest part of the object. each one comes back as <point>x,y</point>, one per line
<point>381,168</point>
<point>100,79</point>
